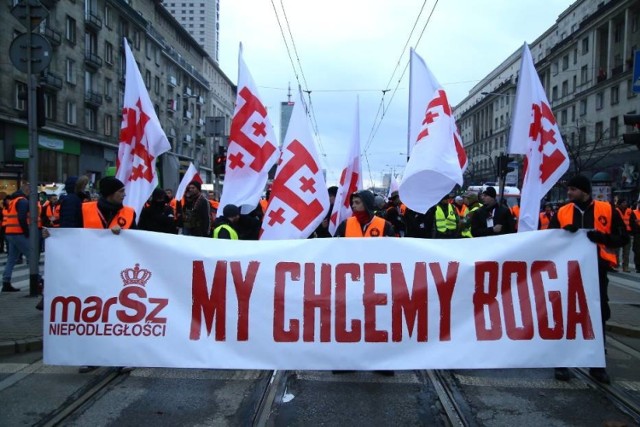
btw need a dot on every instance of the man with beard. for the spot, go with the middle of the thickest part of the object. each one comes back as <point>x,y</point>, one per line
<point>195,214</point>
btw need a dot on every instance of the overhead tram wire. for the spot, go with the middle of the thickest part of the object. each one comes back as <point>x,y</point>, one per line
<point>311,110</point>
<point>404,48</point>
<point>401,77</point>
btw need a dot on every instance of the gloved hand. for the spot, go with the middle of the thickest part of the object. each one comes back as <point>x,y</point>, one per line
<point>596,236</point>
<point>571,227</point>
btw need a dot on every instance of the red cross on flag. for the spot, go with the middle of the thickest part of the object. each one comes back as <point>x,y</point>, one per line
<point>299,200</point>
<point>142,139</point>
<point>190,175</point>
<point>437,157</point>
<point>350,179</point>
<point>535,133</point>
<point>252,146</point>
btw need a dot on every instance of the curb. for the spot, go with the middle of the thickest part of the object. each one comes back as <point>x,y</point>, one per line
<point>20,346</point>
<point>619,328</point>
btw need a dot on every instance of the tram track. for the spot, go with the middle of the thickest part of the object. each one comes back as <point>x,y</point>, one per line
<point>456,410</point>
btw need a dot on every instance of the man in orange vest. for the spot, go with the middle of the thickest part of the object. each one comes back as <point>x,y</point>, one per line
<point>545,217</point>
<point>16,221</point>
<point>364,222</point>
<point>636,237</point>
<point>108,211</point>
<point>628,217</point>
<point>607,230</point>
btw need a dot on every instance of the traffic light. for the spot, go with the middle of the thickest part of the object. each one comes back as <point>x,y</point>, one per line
<point>219,164</point>
<point>632,138</point>
<point>502,165</point>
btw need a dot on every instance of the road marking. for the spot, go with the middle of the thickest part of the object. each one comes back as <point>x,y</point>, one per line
<point>11,368</point>
<point>18,376</point>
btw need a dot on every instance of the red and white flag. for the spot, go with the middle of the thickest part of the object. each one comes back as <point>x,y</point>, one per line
<point>437,157</point>
<point>190,175</point>
<point>393,186</point>
<point>535,133</point>
<point>299,200</point>
<point>252,146</point>
<point>350,179</point>
<point>142,139</point>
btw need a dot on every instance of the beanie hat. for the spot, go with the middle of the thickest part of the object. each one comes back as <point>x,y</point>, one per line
<point>491,192</point>
<point>109,185</point>
<point>230,211</point>
<point>580,182</point>
<point>196,184</point>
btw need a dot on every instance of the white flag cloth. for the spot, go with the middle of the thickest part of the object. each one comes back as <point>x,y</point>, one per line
<point>393,186</point>
<point>142,139</point>
<point>191,175</point>
<point>252,146</point>
<point>437,158</point>
<point>299,200</point>
<point>535,133</point>
<point>350,179</point>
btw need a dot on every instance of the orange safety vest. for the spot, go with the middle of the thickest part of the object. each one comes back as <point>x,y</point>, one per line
<point>462,212</point>
<point>375,228</point>
<point>515,211</point>
<point>53,211</point>
<point>10,219</point>
<point>637,212</point>
<point>213,212</point>
<point>92,218</point>
<point>601,210</point>
<point>264,203</point>
<point>626,217</point>
<point>544,221</point>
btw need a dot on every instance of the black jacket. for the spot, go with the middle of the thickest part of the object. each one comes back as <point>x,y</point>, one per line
<point>158,216</point>
<point>367,198</point>
<point>499,214</point>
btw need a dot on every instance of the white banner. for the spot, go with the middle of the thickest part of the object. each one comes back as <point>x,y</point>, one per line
<point>159,300</point>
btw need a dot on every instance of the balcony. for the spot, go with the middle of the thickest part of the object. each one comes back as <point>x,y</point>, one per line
<point>188,115</point>
<point>92,98</point>
<point>52,35</point>
<point>187,139</point>
<point>172,81</point>
<point>92,60</point>
<point>200,100</point>
<point>49,3</point>
<point>51,80</point>
<point>617,70</point>
<point>172,106</point>
<point>200,123</point>
<point>188,91</point>
<point>93,21</point>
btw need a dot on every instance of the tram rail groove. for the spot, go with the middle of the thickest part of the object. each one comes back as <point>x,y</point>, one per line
<point>457,411</point>
<point>80,397</point>
<point>274,388</point>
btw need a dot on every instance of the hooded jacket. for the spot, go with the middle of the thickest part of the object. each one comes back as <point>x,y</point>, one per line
<point>368,200</point>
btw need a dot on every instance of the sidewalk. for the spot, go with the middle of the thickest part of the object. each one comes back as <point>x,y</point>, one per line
<point>21,323</point>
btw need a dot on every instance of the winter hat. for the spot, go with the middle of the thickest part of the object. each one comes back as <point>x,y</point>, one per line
<point>490,191</point>
<point>580,182</point>
<point>333,191</point>
<point>159,195</point>
<point>378,201</point>
<point>196,184</point>
<point>109,185</point>
<point>230,211</point>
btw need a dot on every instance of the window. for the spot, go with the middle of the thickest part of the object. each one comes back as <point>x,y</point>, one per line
<point>565,88</point>
<point>108,125</point>
<point>573,113</point>
<point>598,131</point>
<point>630,92</point>
<point>71,71</point>
<point>156,85</point>
<point>108,89</point>
<point>585,45</point>
<point>582,135</point>
<point>21,96</point>
<point>554,93</point>
<point>615,95</point>
<point>70,29</point>
<point>599,100</point>
<point>147,79</point>
<point>108,17</point>
<point>563,117</point>
<point>50,105</point>
<point>584,74</point>
<point>71,113</point>
<point>583,107</point>
<point>565,62</point>
<point>147,48</point>
<point>613,127</point>
<point>575,83</point>
<point>90,119</point>
<point>108,53</point>
<point>575,56</point>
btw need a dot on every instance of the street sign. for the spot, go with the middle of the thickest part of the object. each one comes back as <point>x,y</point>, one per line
<point>636,71</point>
<point>40,52</point>
<point>37,13</point>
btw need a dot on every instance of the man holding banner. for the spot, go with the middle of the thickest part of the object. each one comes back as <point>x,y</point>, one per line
<point>607,230</point>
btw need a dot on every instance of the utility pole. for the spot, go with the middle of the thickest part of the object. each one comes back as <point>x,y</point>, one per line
<point>31,54</point>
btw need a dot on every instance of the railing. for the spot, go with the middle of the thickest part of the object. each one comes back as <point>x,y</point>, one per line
<point>93,98</point>
<point>51,80</point>
<point>92,60</point>
<point>93,20</point>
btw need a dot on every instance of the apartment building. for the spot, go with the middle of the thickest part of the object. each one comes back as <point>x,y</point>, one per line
<point>585,63</point>
<point>84,89</point>
<point>201,19</point>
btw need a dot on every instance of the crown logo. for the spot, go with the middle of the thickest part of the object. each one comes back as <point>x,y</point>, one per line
<point>135,276</point>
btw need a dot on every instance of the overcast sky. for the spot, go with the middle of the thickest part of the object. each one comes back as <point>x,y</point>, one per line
<point>350,49</point>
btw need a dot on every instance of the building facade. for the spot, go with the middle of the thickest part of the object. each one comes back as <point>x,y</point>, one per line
<point>585,64</point>
<point>84,89</point>
<point>201,19</point>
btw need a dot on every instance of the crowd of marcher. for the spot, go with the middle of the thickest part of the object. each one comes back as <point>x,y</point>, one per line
<point>467,215</point>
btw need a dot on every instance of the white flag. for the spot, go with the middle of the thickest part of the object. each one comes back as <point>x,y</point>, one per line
<point>393,186</point>
<point>191,175</point>
<point>437,158</point>
<point>299,200</point>
<point>252,146</point>
<point>142,139</point>
<point>350,179</point>
<point>534,132</point>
